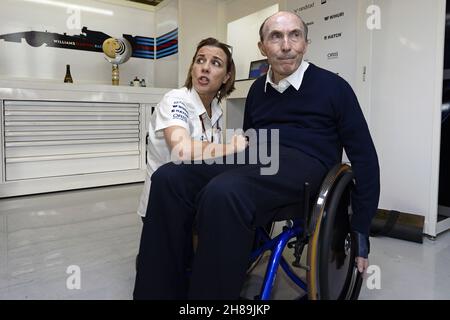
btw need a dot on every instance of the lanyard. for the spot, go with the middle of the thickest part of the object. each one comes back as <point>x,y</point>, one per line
<point>204,131</point>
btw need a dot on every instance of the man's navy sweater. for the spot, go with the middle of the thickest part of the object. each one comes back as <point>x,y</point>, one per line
<point>320,119</point>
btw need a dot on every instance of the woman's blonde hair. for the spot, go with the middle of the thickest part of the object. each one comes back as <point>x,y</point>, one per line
<point>227,87</point>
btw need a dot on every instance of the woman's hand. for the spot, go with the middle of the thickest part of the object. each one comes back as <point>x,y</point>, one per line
<point>183,147</point>
<point>239,142</point>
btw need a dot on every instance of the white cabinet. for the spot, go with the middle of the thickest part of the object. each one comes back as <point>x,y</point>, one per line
<point>55,140</point>
<point>50,139</point>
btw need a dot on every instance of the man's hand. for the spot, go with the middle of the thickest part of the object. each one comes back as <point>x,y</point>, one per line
<point>362,264</point>
<point>362,251</point>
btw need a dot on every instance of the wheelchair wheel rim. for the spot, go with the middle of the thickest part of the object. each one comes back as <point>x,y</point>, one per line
<point>331,250</point>
<point>336,255</point>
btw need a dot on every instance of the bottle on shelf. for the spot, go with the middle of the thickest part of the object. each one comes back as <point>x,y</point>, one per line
<point>68,77</point>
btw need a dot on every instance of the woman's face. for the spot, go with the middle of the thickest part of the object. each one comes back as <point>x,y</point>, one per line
<point>209,70</point>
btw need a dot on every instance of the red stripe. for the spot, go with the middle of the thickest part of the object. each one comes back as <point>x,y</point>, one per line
<point>142,47</point>
<point>167,44</point>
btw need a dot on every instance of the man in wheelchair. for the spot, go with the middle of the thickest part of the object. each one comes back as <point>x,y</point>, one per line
<point>316,115</point>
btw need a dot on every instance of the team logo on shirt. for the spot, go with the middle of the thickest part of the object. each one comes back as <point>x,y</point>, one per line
<point>179,111</point>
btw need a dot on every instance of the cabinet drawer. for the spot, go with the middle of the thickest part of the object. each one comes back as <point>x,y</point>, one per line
<point>48,167</point>
<point>60,138</point>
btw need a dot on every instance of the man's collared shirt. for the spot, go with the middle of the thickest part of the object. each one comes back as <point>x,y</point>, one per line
<point>294,79</point>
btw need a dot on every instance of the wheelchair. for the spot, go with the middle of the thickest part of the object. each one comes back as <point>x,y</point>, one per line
<point>331,272</point>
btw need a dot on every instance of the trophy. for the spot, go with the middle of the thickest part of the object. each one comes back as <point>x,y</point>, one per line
<point>117,51</point>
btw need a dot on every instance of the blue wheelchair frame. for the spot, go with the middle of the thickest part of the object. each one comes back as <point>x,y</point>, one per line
<point>306,231</point>
<point>277,246</point>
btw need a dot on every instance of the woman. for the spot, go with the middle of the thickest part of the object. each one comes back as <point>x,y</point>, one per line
<point>186,124</point>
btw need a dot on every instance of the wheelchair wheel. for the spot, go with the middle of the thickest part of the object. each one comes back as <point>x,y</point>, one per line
<point>331,249</point>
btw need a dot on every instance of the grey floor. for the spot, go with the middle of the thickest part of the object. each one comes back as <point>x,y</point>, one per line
<point>42,237</point>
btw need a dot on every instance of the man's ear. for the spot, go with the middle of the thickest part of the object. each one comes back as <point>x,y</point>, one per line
<point>306,48</point>
<point>262,49</point>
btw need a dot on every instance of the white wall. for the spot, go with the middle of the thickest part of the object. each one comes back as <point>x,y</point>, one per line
<point>23,61</point>
<point>332,34</point>
<point>241,18</point>
<point>197,19</point>
<point>399,91</point>
<point>166,69</point>
<point>406,83</point>
<point>236,9</point>
<point>243,36</point>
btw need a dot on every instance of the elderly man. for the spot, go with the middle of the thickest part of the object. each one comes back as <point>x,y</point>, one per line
<point>316,114</point>
<point>319,117</point>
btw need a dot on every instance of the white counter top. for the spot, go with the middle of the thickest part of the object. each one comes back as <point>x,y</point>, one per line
<point>242,88</point>
<point>37,90</point>
<point>57,136</point>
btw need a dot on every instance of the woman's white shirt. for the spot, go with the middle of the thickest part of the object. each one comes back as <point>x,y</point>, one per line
<point>183,108</point>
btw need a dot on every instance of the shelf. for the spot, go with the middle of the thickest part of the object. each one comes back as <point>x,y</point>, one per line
<point>242,88</point>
